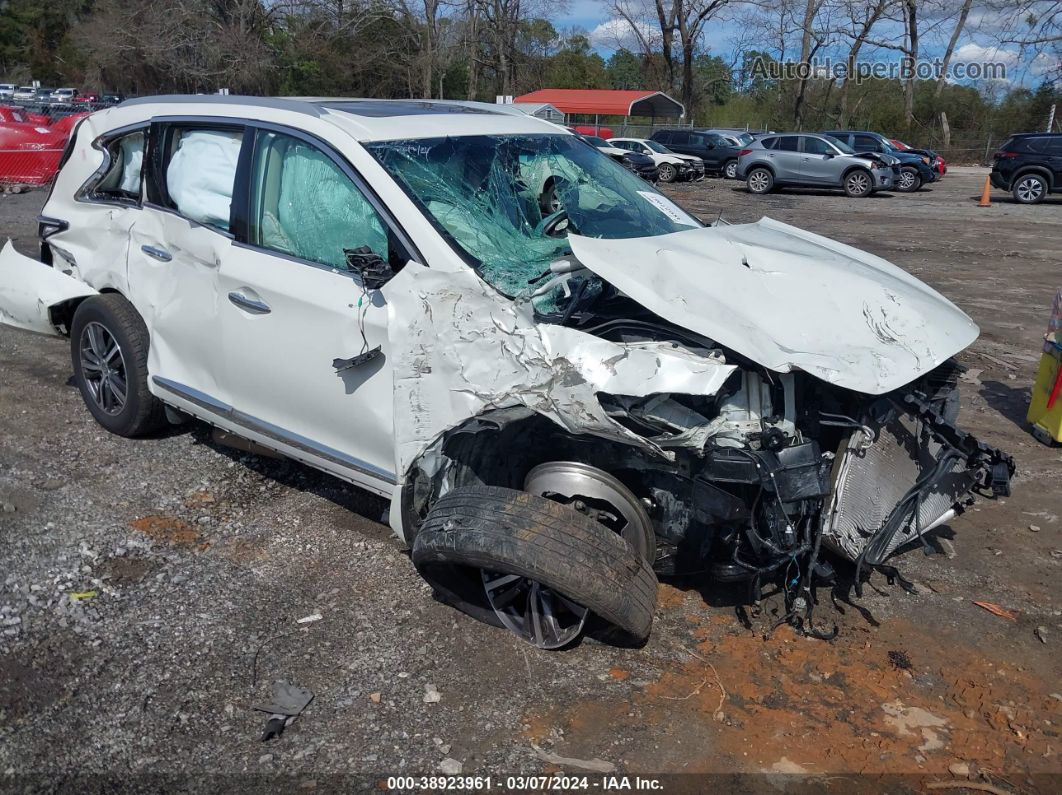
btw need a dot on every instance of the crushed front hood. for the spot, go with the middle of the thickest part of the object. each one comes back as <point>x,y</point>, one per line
<point>788,300</point>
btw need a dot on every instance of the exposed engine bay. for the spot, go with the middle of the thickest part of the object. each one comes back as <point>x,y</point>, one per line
<point>761,479</point>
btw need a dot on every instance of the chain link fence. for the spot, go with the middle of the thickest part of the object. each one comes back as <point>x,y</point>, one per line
<point>33,135</point>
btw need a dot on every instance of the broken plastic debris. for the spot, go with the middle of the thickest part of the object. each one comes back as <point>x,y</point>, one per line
<point>996,610</point>
<point>81,596</point>
<point>288,701</point>
<point>310,618</point>
<point>595,765</point>
<point>431,694</point>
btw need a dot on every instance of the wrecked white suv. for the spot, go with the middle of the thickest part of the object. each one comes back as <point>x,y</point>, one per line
<point>563,382</point>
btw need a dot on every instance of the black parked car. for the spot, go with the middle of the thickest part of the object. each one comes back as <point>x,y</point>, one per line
<point>1029,165</point>
<point>719,156</point>
<point>642,165</point>
<point>916,170</point>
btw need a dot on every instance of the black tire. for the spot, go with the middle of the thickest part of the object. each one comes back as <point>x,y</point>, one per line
<point>730,169</point>
<point>511,532</point>
<point>549,202</point>
<point>141,412</point>
<point>759,181</point>
<point>668,173</point>
<point>1030,189</point>
<point>858,183</point>
<point>909,180</point>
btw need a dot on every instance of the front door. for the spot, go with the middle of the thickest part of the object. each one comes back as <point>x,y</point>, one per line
<point>819,163</point>
<point>305,346</point>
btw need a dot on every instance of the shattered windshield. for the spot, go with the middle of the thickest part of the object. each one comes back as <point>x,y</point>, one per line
<point>508,202</point>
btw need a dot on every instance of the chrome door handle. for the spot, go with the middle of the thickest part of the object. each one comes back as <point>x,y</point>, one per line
<point>243,302</point>
<point>157,253</point>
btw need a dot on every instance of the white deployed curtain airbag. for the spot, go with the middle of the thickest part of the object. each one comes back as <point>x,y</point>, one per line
<point>132,147</point>
<point>201,174</point>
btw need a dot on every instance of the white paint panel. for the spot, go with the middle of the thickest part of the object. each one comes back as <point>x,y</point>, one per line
<point>789,300</point>
<point>28,288</point>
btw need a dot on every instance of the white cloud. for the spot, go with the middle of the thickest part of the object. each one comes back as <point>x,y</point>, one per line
<point>1015,62</point>
<point>976,52</point>
<point>614,33</point>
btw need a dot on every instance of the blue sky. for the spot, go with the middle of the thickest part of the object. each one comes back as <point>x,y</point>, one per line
<point>976,44</point>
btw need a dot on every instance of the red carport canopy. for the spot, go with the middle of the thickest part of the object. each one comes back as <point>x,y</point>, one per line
<point>595,102</point>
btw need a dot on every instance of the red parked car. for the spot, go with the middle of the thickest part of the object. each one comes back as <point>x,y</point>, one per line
<point>936,161</point>
<point>30,147</point>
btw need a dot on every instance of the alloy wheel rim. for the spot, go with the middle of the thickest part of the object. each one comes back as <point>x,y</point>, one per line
<point>1029,189</point>
<point>758,182</point>
<point>103,368</point>
<point>858,183</point>
<point>533,611</point>
<point>731,170</point>
<point>667,173</point>
<point>906,179</point>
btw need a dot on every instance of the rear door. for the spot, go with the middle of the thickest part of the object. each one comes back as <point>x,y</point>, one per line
<point>177,243</point>
<point>681,141</point>
<point>787,159</point>
<point>304,343</point>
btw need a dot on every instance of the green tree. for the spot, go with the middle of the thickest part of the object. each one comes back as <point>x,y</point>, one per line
<point>625,70</point>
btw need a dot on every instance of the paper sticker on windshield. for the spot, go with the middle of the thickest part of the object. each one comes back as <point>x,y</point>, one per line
<point>668,208</point>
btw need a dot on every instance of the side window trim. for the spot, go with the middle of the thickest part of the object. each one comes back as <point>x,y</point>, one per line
<point>101,143</point>
<point>243,188</point>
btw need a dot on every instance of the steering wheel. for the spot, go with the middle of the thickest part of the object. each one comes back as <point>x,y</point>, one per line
<point>554,225</point>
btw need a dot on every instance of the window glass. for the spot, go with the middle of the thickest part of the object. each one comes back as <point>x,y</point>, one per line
<point>680,138</point>
<point>867,143</point>
<point>768,143</point>
<point>303,204</point>
<point>201,173</point>
<point>789,143</point>
<point>508,202</point>
<point>126,157</point>
<point>816,146</point>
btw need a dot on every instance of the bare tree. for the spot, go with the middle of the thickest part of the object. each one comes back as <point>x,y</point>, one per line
<point>673,24</point>
<point>862,15</point>
<point>964,13</point>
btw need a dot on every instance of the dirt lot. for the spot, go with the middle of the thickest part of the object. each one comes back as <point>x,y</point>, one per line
<point>203,558</point>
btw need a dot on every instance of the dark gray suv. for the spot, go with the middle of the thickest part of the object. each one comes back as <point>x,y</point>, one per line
<point>807,160</point>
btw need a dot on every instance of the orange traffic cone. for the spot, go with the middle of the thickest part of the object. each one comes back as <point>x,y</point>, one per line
<point>986,194</point>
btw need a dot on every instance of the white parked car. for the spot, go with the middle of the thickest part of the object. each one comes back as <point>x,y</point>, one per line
<point>562,381</point>
<point>65,94</point>
<point>672,165</point>
<point>27,93</point>
<point>7,90</point>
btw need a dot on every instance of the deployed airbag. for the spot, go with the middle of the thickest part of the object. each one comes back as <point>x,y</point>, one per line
<point>201,174</point>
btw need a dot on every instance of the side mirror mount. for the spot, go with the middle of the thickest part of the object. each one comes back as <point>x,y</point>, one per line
<point>370,267</point>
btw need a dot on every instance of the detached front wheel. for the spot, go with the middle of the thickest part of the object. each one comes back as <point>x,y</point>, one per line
<point>537,567</point>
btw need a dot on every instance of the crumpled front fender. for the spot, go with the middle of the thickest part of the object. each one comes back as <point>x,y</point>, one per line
<point>29,289</point>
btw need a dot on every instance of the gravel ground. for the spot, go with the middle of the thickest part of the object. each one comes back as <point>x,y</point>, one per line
<point>150,592</point>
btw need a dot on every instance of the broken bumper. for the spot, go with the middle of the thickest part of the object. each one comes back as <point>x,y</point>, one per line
<point>30,289</point>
